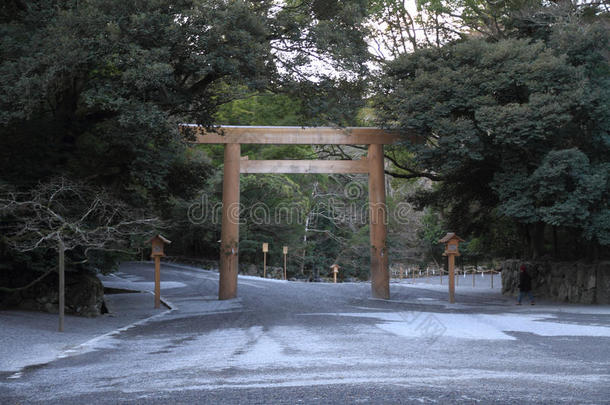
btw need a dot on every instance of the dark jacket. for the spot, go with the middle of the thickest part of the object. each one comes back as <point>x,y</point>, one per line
<point>525,281</point>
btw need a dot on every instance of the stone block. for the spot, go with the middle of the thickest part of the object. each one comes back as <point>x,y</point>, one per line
<point>587,297</point>
<point>602,289</point>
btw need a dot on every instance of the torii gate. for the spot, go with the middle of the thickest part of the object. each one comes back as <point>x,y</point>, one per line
<point>234,136</point>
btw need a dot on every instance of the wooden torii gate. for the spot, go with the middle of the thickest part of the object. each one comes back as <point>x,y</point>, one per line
<point>234,136</point>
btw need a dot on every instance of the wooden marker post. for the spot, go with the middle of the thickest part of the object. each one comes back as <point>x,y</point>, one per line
<point>335,270</point>
<point>473,274</point>
<point>62,284</point>
<point>451,241</point>
<point>492,279</point>
<point>265,250</point>
<point>452,279</point>
<point>158,242</point>
<point>157,282</point>
<point>285,254</point>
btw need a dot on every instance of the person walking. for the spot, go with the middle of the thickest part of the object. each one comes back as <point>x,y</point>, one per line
<point>525,285</point>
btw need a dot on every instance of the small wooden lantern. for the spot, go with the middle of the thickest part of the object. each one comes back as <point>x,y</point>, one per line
<point>158,242</point>
<point>451,241</point>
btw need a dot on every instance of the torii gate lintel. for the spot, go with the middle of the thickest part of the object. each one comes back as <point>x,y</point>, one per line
<point>234,136</point>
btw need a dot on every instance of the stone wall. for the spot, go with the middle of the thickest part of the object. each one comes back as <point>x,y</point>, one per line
<point>84,295</point>
<point>575,282</point>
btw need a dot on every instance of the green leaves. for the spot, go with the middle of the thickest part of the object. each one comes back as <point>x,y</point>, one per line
<point>514,127</point>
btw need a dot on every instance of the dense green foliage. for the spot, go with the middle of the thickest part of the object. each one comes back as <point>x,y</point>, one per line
<point>515,128</point>
<point>94,90</point>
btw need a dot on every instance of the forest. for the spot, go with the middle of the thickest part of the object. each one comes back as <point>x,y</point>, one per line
<point>508,102</point>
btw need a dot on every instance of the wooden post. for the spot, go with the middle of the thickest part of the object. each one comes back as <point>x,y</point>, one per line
<point>457,277</point>
<point>229,236</point>
<point>492,279</point>
<point>440,273</point>
<point>157,281</point>
<point>62,284</point>
<point>158,243</point>
<point>380,278</point>
<point>335,269</point>
<point>473,274</point>
<point>285,254</point>
<point>265,250</point>
<point>451,279</point>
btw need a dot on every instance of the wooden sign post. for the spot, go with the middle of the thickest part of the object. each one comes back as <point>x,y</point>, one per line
<point>451,241</point>
<point>285,254</point>
<point>158,242</point>
<point>265,250</point>
<point>335,270</point>
<point>62,284</point>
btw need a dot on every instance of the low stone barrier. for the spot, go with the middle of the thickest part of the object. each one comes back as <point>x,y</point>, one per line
<point>574,282</point>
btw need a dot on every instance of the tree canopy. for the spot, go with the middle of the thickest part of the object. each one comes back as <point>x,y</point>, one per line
<point>515,128</point>
<point>94,90</point>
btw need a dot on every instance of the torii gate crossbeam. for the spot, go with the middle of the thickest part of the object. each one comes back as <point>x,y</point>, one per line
<point>234,164</point>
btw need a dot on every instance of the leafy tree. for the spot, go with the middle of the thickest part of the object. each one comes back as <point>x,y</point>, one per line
<point>494,119</point>
<point>95,90</point>
<point>262,109</point>
<point>89,73</point>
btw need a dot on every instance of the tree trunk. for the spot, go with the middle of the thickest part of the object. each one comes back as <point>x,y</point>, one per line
<point>537,240</point>
<point>61,250</point>
<point>555,247</point>
<point>304,245</point>
<point>527,239</point>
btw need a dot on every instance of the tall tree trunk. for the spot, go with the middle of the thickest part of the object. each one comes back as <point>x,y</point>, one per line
<point>555,247</point>
<point>305,244</point>
<point>527,239</point>
<point>537,239</point>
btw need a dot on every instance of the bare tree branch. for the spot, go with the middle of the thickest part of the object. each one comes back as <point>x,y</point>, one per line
<point>78,215</point>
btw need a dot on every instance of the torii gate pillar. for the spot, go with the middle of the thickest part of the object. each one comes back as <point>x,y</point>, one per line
<point>229,235</point>
<point>380,277</point>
